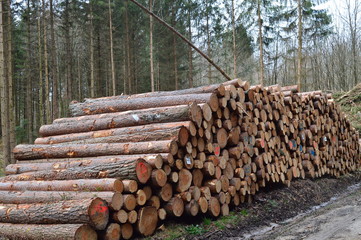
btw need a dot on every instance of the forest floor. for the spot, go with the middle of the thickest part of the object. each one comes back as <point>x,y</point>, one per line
<point>302,211</point>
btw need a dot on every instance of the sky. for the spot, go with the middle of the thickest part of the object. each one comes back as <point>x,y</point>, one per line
<point>338,8</point>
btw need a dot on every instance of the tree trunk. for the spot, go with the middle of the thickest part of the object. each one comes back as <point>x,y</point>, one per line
<point>28,152</point>
<point>48,231</point>
<point>299,48</point>
<point>4,87</point>
<point>209,71</point>
<point>68,50</point>
<point>144,133</point>
<point>151,46</point>
<point>80,109</point>
<point>234,41</point>
<point>92,185</point>
<point>54,65</point>
<point>175,61</point>
<point>260,25</point>
<point>132,169</point>
<point>29,87</point>
<point>190,53</point>
<point>111,49</point>
<point>91,46</point>
<point>41,87</point>
<point>91,211</point>
<point>128,76</point>
<point>46,69</point>
<point>10,68</point>
<point>123,119</point>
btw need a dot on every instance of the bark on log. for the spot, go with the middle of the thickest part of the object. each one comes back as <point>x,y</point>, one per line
<point>122,119</point>
<point>92,185</point>
<point>143,133</point>
<point>155,160</point>
<point>119,105</point>
<point>136,169</point>
<point>28,152</point>
<point>114,200</point>
<point>48,231</point>
<point>94,212</point>
<point>214,88</point>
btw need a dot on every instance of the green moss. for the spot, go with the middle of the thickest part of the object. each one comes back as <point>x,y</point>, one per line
<point>195,229</point>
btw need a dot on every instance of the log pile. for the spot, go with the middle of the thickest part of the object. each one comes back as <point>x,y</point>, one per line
<point>122,165</point>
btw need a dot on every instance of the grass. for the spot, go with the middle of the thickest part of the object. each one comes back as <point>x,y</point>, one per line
<point>200,227</point>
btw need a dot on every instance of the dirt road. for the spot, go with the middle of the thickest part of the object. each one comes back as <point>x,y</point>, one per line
<point>338,219</point>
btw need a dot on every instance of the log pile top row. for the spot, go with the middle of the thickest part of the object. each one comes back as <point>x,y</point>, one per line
<point>122,165</point>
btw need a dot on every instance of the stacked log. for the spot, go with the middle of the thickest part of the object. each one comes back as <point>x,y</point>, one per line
<point>148,157</point>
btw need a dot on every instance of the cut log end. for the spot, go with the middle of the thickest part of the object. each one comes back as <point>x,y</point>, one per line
<point>113,232</point>
<point>147,220</point>
<point>143,170</point>
<point>183,136</point>
<point>184,181</point>
<point>99,214</point>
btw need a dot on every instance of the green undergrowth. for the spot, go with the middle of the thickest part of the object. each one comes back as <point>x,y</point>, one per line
<point>201,226</point>
<point>351,105</point>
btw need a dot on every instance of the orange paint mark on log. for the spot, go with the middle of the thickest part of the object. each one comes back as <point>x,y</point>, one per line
<point>217,151</point>
<point>142,168</point>
<point>101,208</point>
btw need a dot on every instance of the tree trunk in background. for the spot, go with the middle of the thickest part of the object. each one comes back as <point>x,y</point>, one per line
<point>28,104</point>
<point>80,94</point>
<point>11,92</point>
<point>111,49</point>
<point>352,20</point>
<point>69,55</point>
<point>54,65</point>
<point>190,53</point>
<point>46,68</point>
<point>175,62</point>
<point>299,48</point>
<point>4,88</point>
<point>260,39</point>
<point>41,89</point>
<point>151,46</point>
<point>234,42</point>
<point>128,76</point>
<point>208,49</point>
<point>92,78</point>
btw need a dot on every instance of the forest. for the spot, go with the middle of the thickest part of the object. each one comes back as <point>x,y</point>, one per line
<point>54,52</point>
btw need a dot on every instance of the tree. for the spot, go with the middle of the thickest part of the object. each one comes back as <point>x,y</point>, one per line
<point>352,19</point>
<point>151,46</point>
<point>111,49</point>
<point>6,82</point>
<point>54,65</point>
<point>305,13</point>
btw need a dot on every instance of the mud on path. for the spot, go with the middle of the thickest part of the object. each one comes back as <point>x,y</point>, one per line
<point>289,213</point>
<point>339,219</point>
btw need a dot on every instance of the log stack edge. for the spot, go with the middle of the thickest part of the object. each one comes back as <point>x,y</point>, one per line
<point>122,165</point>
